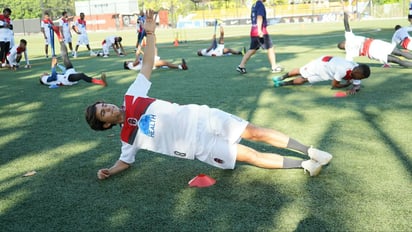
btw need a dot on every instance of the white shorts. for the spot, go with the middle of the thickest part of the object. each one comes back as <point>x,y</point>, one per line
<point>313,71</point>
<point>82,39</point>
<point>140,65</point>
<point>218,51</point>
<point>379,50</point>
<point>47,40</point>
<point>218,136</point>
<point>67,37</point>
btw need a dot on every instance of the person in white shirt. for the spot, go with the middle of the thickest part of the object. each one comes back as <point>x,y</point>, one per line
<point>189,131</point>
<point>114,42</point>
<point>402,38</point>
<point>15,55</point>
<point>82,38</point>
<point>64,23</point>
<point>326,68</point>
<point>46,28</point>
<point>375,49</point>
<point>6,34</point>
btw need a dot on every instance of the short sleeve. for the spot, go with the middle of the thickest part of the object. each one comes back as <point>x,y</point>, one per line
<point>140,86</point>
<point>128,153</point>
<point>260,9</point>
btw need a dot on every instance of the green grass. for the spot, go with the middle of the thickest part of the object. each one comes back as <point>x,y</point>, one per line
<point>367,187</point>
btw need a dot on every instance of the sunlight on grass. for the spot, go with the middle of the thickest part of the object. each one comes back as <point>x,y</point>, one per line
<point>14,198</point>
<point>120,217</point>
<point>5,139</point>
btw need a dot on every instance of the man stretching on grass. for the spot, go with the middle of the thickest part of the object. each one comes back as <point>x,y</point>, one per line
<point>218,49</point>
<point>189,131</point>
<point>375,49</point>
<point>69,75</point>
<point>327,68</point>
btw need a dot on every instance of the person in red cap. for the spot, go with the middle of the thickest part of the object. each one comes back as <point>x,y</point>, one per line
<point>190,131</point>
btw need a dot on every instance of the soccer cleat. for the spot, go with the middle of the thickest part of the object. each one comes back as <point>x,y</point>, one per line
<point>103,78</point>
<point>243,51</point>
<point>321,157</point>
<point>75,54</point>
<point>312,167</point>
<point>277,69</point>
<point>92,53</point>
<point>386,66</point>
<point>277,81</point>
<point>105,55</point>
<point>184,65</point>
<point>241,70</point>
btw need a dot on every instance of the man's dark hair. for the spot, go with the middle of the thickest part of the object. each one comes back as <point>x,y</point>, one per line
<point>365,70</point>
<point>397,27</point>
<point>23,41</point>
<point>92,120</point>
<point>46,13</point>
<point>119,39</point>
<point>64,13</point>
<point>341,45</point>
<point>125,65</point>
<point>7,10</point>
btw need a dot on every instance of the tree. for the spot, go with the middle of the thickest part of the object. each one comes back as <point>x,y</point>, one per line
<point>25,9</point>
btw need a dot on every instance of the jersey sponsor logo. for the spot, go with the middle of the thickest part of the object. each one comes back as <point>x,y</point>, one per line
<point>132,121</point>
<point>217,160</point>
<point>147,124</point>
<point>181,154</point>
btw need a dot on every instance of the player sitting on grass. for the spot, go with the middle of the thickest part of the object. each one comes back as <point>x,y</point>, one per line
<point>116,43</point>
<point>218,49</point>
<point>189,131</point>
<point>327,68</point>
<point>69,75</point>
<point>401,37</point>
<point>158,63</point>
<point>373,48</point>
<point>15,54</point>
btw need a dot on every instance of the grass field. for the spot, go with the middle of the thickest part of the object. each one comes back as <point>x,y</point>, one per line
<point>367,187</point>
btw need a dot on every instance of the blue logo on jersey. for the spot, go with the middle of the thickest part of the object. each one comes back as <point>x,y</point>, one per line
<point>147,124</point>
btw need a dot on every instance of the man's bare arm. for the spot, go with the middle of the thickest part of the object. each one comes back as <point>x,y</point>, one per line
<point>149,55</point>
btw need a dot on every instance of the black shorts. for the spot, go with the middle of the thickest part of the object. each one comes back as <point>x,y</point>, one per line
<point>409,16</point>
<point>257,42</point>
<point>140,36</point>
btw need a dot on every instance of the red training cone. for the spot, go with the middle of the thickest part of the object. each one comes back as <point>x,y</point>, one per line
<point>201,181</point>
<point>176,43</point>
<point>340,94</point>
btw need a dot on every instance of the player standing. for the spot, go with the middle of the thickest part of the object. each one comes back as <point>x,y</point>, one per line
<point>82,39</point>
<point>259,38</point>
<point>326,68</point>
<point>375,49</point>
<point>189,131</point>
<point>6,34</point>
<point>64,23</point>
<point>141,34</point>
<point>46,24</point>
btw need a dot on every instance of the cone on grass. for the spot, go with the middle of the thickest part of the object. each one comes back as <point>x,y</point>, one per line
<point>176,43</point>
<point>202,181</point>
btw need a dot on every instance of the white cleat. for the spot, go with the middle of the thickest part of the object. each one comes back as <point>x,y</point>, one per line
<point>312,167</point>
<point>322,157</point>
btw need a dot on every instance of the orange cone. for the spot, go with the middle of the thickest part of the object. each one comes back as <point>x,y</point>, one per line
<point>202,181</point>
<point>176,43</point>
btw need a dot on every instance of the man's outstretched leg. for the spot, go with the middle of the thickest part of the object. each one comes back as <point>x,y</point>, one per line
<point>397,60</point>
<point>81,76</point>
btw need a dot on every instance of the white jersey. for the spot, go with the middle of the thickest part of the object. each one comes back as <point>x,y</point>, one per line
<point>45,25</point>
<point>328,68</point>
<point>12,56</point>
<point>182,131</point>
<point>353,45</point>
<point>6,34</point>
<point>218,51</point>
<point>62,79</point>
<point>140,64</point>
<point>65,24</point>
<point>401,34</point>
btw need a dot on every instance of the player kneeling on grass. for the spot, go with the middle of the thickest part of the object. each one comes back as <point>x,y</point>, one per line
<point>15,54</point>
<point>116,43</point>
<point>189,131</point>
<point>327,68</point>
<point>69,75</point>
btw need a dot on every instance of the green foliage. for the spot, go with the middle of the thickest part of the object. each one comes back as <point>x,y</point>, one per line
<point>27,9</point>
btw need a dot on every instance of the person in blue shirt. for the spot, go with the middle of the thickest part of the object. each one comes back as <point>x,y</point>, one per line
<point>259,38</point>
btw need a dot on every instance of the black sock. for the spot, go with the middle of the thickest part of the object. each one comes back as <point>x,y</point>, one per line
<point>295,145</point>
<point>291,163</point>
<point>287,82</point>
<point>286,75</point>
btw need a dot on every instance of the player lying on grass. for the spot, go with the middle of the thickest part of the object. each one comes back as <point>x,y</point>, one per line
<point>15,54</point>
<point>218,49</point>
<point>327,68</point>
<point>137,64</point>
<point>114,42</point>
<point>189,131</point>
<point>69,75</point>
<point>402,38</point>
<point>373,48</point>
